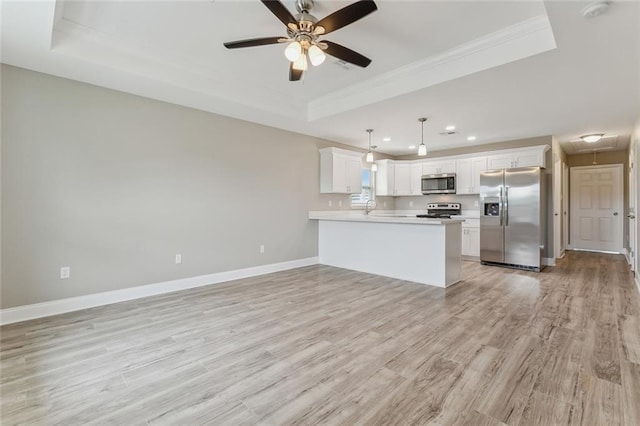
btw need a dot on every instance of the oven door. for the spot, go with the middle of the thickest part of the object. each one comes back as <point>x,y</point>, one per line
<point>439,184</point>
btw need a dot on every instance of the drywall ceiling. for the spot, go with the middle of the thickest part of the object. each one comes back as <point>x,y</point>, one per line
<point>496,70</point>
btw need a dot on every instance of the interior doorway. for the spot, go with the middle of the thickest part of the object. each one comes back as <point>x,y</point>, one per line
<point>597,208</point>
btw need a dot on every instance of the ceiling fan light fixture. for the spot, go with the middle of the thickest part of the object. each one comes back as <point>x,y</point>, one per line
<point>301,63</point>
<point>592,138</point>
<point>293,51</point>
<point>316,55</point>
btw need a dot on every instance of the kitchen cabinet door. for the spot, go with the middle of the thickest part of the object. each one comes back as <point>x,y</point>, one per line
<point>402,179</point>
<point>530,159</point>
<point>354,175</point>
<point>468,174</point>
<point>463,176</point>
<point>438,167</point>
<point>478,165</point>
<point>511,160</point>
<point>500,161</point>
<point>416,179</point>
<point>471,239</point>
<point>385,178</point>
<point>340,171</point>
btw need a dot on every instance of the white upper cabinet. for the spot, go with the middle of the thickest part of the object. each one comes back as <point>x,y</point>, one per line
<point>385,177</point>
<point>340,171</point>
<point>520,158</point>
<point>398,178</point>
<point>402,179</point>
<point>416,179</point>
<point>468,174</point>
<point>439,166</point>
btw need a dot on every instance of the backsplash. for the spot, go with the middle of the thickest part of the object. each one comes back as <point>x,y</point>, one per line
<point>420,202</point>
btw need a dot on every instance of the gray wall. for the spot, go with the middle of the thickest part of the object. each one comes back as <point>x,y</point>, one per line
<point>114,185</point>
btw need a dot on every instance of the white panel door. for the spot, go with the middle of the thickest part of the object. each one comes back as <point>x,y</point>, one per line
<point>500,161</point>
<point>354,175</point>
<point>530,159</point>
<point>596,208</point>
<point>340,174</point>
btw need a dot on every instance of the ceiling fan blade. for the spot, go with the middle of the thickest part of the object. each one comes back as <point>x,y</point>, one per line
<point>294,75</point>
<point>346,54</point>
<point>346,15</point>
<point>252,42</point>
<point>281,12</point>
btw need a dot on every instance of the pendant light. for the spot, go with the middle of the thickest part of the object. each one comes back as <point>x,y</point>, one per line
<point>374,166</point>
<point>422,149</point>
<point>369,153</point>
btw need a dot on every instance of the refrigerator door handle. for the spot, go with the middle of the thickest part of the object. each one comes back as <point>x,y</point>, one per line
<point>506,206</point>
<point>501,207</point>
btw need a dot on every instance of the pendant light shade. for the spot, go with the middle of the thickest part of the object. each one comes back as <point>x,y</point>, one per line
<point>369,157</point>
<point>422,149</point>
<point>374,166</point>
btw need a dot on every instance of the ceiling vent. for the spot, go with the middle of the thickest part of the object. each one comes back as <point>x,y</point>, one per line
<point>448,132</point>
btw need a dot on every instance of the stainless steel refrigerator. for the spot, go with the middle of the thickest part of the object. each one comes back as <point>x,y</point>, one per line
<point>512,218</point>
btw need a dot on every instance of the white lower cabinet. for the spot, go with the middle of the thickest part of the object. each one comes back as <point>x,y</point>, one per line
<point>471,238</point>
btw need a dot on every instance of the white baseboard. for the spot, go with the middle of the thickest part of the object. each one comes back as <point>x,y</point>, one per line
<point>55,307</point>
<point>548,261</point>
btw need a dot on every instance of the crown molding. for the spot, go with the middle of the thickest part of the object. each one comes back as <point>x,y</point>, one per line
<point>518,41</point>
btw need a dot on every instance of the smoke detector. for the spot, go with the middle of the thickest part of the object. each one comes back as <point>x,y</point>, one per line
<point>595,9</point>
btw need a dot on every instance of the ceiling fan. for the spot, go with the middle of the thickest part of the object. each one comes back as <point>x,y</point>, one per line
<point>304,31</point>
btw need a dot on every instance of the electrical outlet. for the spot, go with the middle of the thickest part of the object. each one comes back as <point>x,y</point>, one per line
<point>330,203</point>
<point>178,258</point>
<point>65,272</point>
<point>410,203</point>
<point>261,248</point>
<point>340,203</point>
<point>384,204</point>
<point>475,203</point>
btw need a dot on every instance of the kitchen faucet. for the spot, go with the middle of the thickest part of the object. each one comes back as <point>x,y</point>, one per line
<point>366,206</point>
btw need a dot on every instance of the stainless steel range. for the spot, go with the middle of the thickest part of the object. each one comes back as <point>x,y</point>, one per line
<point>442,210</point>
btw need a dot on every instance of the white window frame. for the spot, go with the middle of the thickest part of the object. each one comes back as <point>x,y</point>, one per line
<point>367,192</point>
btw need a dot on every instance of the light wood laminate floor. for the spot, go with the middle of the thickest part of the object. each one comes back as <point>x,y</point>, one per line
<point>321,345</point>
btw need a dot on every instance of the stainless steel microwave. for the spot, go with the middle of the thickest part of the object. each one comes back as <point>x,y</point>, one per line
<point>443,183</point>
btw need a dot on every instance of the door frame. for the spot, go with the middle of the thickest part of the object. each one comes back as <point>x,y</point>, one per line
<point>621,217</point>
<point>632,238</point>
<point>565,207</point>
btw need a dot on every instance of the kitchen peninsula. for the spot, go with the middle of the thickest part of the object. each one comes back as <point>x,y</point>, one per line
<point>421,250</point>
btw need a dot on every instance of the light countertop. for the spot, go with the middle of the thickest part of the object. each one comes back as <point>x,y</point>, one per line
<point>383,216</point>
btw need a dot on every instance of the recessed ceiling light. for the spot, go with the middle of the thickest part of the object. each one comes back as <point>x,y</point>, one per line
<point>387,139</point>
<point>412,147</point>
<point>471,138</point>
<point>450,128</point>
